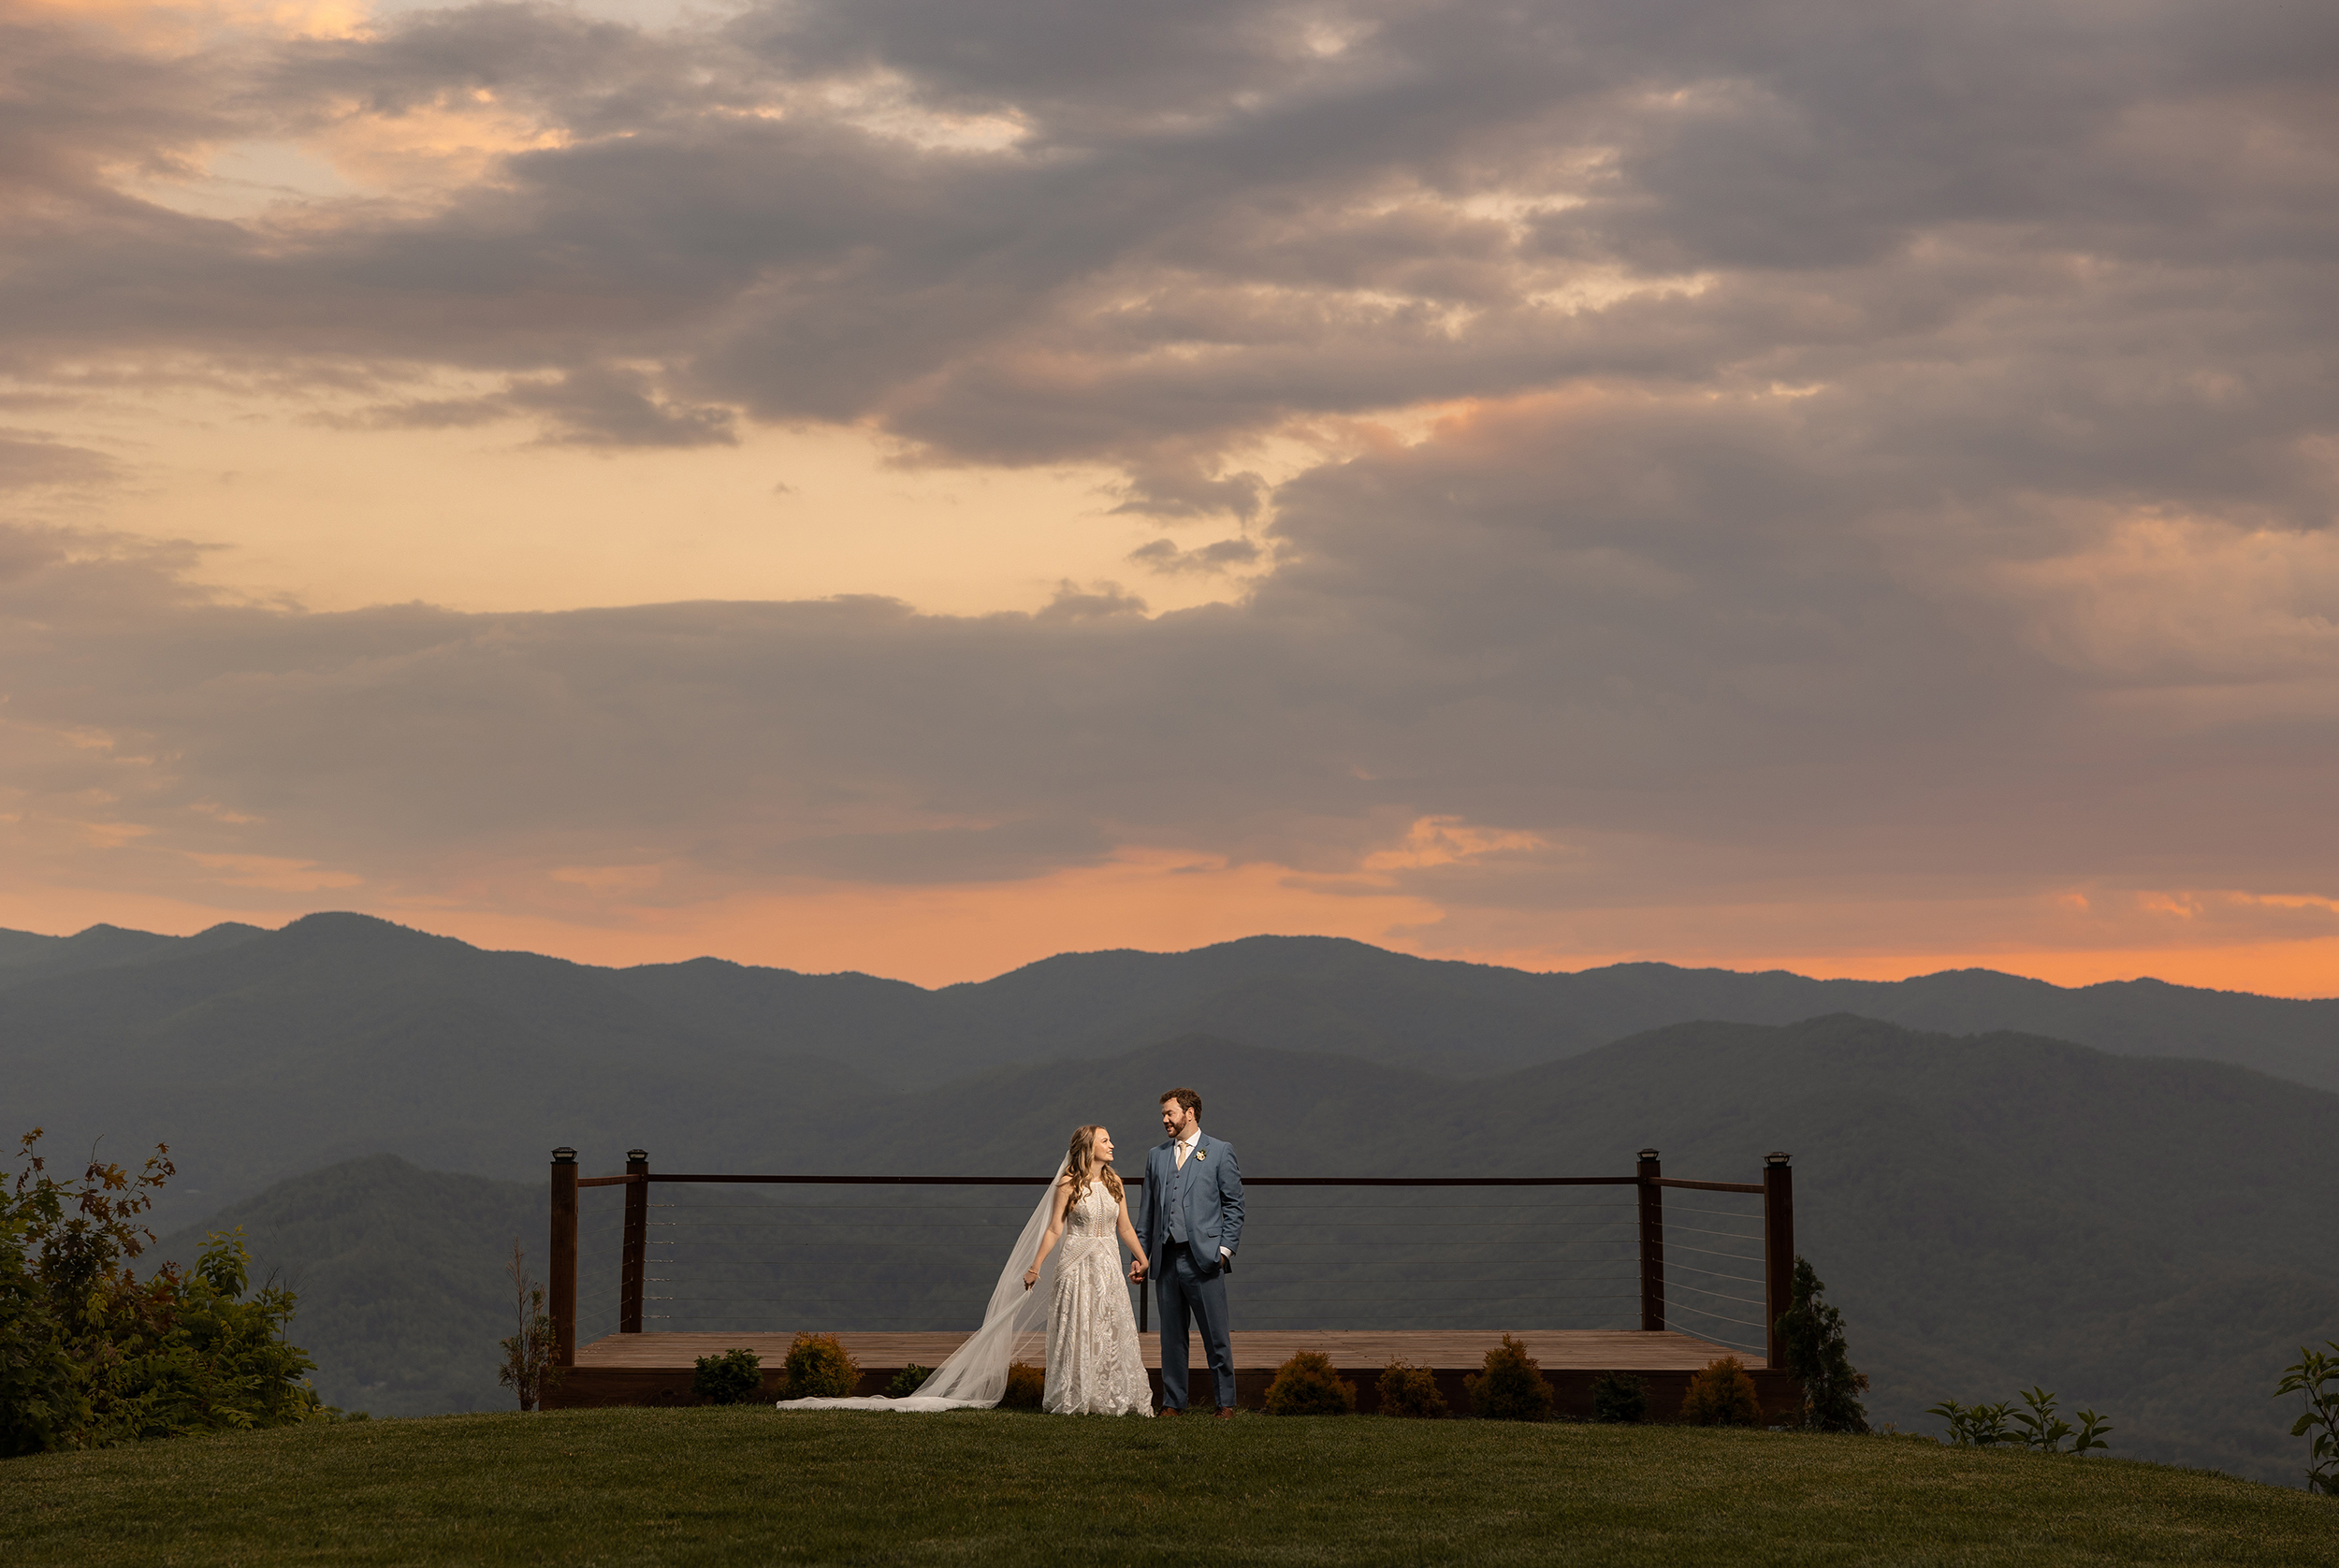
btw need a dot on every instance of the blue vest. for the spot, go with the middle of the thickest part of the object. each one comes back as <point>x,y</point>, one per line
<point>1177,1194</point>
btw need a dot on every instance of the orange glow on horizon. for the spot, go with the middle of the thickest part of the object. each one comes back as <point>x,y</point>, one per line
<point>1151,901</point>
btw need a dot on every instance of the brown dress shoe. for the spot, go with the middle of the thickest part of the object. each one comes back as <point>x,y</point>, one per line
<point>1171,1410</point>
<point>1226,1412</point>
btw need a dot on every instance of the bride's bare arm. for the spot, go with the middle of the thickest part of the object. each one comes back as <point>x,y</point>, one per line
<point>1054,1231</point>
<point>1129,1240</point>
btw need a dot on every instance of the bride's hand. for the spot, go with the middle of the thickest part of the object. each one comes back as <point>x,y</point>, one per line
<point>1031,1276</point>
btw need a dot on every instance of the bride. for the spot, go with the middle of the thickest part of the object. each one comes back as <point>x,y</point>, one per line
<point>1094,1363</point>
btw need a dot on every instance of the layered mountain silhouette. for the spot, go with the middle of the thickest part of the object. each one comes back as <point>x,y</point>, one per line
<point>260,1055</point>
<point>2133,1225</point>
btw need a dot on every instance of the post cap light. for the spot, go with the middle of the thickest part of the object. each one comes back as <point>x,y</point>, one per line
<point>1777,1156</point>
<point>1648,1154</point>
<point>564,1156</point>
<point>637,1154</point>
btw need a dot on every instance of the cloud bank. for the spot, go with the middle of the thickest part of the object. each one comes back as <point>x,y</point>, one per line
<point>1776,477</point>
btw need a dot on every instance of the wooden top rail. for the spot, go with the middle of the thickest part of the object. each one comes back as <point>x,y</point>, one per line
<point>1139,1181</point>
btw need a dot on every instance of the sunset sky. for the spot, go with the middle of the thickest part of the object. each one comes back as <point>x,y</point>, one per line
<point>915,485</point>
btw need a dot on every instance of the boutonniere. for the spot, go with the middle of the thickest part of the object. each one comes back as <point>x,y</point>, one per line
<point>1201,1154</point>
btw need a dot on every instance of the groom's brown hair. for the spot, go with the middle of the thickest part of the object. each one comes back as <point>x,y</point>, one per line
<point>1185,1097</point>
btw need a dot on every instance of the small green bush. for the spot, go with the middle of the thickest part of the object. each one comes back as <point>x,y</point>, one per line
<point>1977,1426</point>
<point>728,1378</point>
<point>1618,1397</point>
<point>1511,1389</point>
<point>1026,1385</point>
<point>531,1359</point>
<point>1722,1395</point>
<point>1987,1426</point>
<point>907,1381</point>
<point>2314,1378</point>
<point>1307,1385</point>
<point>1410,1390</point>
<point>819,1368</point>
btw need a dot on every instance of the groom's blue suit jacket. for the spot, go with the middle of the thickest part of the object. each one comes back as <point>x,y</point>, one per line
<point>1212,1189</point>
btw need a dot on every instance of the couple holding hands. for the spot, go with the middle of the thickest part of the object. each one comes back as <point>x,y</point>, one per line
<point>1193,1225</point>
<point>1065,1274</point>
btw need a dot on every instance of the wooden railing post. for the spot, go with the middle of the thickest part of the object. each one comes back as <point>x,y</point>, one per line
<point>1652,1242</point>
<point>630,1264</point>
<point>1778,1249</point>
<point>560,1268</point>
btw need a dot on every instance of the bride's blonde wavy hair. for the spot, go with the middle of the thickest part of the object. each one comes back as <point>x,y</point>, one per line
<point>1076,1164</point>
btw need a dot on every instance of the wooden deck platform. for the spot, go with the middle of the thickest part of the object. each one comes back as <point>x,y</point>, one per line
<point>655,1369</point>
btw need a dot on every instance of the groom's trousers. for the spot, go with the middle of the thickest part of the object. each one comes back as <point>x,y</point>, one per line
<point>1186,1292</point>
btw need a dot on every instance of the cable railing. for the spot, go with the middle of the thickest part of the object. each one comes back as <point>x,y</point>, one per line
<point>1714,1285</point>
<point>708,1252</point>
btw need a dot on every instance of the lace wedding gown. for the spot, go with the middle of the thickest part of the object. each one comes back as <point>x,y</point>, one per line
<point>1095,1367</point>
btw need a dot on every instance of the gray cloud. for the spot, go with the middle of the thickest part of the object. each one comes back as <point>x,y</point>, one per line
<point>1220,555</point>
<point>28,459</point>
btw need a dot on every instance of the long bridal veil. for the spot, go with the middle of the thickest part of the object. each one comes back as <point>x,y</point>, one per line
<point>975,1375</point>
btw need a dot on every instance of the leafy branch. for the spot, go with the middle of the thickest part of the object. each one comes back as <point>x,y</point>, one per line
<point>1987,1426</point>
<point>2314,1377</point>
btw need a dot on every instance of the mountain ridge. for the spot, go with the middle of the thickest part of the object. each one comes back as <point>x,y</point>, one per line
<point>264,1054</point>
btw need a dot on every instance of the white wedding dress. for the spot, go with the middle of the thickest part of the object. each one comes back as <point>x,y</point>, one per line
<point>1105,1347</point>
<point>1095,1367</point>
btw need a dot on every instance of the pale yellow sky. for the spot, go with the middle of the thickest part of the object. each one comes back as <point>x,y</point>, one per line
<point>487,519</point>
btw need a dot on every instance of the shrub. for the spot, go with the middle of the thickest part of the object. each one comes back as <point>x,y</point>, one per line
<point>530,1357</point>
<point>1722,1395</point>
<point>1410,1390</point>
<point>91,1355</point>
<point>1026,1385</point>
<point>2314,1377</point>
<point>1307,1385</point>
<point>907,1381</point>
<point>1511,1389</point>
<point>819,1368</point>
<point>1618,1397</point>
<point>728,1378</point>
<point>1978,1425</point>
<point>1811,1333</point>
<point>1987,1426</point>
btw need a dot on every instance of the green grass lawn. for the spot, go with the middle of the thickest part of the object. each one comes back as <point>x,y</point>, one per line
<point>752,1486</point>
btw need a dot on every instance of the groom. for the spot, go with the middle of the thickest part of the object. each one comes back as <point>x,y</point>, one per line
<point>1193,1225</point>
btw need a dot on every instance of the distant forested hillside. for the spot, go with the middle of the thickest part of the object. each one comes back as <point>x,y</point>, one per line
<point>262,1054</point>
<point>2147,1236</point>
<point>399,1273</point>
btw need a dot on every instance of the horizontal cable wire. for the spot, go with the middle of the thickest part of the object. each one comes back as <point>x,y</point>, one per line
<point>1440,1281</point>
<point>1733,1257</point>
<point>1719,1296</point>
<point>1712,1274</point>
<point>1717,1316</point>
<point>1525,1213</point>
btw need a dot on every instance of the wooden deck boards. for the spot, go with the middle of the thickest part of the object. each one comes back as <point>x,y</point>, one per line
<point>655,1369</point>
<point>1594,1350</point>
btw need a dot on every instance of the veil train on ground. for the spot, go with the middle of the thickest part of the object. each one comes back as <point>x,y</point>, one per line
<point>975,1375</point>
